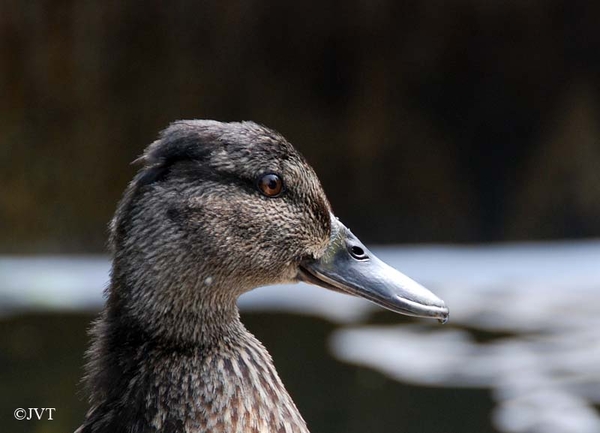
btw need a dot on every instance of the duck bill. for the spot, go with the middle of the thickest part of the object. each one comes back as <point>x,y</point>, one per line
<point>349,267</point>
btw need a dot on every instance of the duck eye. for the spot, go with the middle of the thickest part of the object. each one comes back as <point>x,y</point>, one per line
<point>270,184</point>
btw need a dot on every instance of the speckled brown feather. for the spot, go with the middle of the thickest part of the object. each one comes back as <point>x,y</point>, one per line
<point>191,234</point>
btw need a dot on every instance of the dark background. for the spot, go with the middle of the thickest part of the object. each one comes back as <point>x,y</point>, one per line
<point>461,121</point>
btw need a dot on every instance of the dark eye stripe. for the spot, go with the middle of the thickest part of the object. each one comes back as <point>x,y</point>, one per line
<point>191,171</point>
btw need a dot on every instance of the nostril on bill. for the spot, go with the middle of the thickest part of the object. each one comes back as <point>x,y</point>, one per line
<point>357,252</point>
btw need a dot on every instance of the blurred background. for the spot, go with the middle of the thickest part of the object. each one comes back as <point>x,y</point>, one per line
<point>440,130</point>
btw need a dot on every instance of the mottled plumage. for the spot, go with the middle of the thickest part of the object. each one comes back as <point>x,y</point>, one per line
<point>193,232</point>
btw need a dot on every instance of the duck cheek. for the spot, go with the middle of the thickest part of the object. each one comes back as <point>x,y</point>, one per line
<point>269,266</point>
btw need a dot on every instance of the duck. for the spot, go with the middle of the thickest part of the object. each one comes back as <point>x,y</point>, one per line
<point>218,209</point>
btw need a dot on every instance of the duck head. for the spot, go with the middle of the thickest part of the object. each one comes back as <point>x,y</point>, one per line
<point>221,208</point>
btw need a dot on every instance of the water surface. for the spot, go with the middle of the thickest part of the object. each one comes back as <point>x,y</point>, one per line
<point>521,352</point>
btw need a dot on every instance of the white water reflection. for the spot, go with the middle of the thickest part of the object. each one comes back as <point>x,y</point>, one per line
<point>545,376</point>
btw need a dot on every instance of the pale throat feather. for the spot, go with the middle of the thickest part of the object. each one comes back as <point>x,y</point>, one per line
<point>237,390</point>
<point>252,390</point>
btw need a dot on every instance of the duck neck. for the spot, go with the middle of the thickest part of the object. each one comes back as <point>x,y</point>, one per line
<point>186,314</point>
<point>197,372</point>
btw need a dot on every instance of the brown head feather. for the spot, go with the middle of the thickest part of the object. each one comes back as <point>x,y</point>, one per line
<point>190,235</point>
